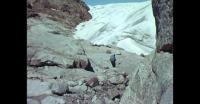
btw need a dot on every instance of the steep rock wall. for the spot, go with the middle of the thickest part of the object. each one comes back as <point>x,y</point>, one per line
<point>163,13</point>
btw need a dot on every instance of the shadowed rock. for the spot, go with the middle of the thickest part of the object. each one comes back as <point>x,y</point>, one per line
<point>163,13</point>
<point>80,63</point>
<point>166,48</point>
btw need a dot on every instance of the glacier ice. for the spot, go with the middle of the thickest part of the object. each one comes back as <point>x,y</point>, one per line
<point>130,26</point>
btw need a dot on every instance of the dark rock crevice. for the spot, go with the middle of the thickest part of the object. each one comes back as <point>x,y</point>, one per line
<point>80,63</point>
<point>39,63</point>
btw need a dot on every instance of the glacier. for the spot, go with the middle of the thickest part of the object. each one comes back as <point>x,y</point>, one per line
<point>130,26</point>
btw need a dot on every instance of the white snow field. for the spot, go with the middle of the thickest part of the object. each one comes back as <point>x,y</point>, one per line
<point>130,26</point>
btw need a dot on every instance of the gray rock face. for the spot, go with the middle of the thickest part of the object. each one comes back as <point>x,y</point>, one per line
<point>96,100</point>
<point>162,66</point>
<point>167,97</point>
<point>78,98</point>
<point>78,89</point>
<point>101,100</point>
<point>163,13</point>
<point>150,83</point>
<point>32,101</point>
<point>128,63</point>
<point>72,83</point>
<point>52,100</point>
<point>52,71</point>
<point>77,74</point>
<point>36,88</point>
<point>142,88</point>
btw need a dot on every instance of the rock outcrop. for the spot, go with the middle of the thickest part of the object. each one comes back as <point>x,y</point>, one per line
<point>152,82</point>
<point>149,84</point>
<point>163,13</point>
<point>71,12</point>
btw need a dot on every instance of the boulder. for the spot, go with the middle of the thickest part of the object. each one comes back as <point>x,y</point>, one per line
<point>118,79</point>
<point>59,88</point>
<point>92,82</point>
<point>114,77</point>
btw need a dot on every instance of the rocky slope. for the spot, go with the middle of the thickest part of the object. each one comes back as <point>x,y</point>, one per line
<point>59,61</point>
<point>64,70</point>
<point>70,12</point>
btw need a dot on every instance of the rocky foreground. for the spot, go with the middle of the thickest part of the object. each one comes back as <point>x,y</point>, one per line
<point>63,70</point>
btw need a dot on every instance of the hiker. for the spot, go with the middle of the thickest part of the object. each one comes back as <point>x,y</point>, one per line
<point>112,60</point>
